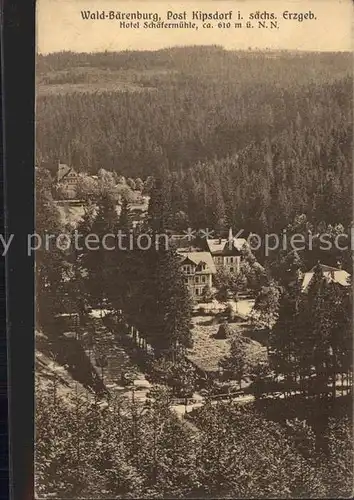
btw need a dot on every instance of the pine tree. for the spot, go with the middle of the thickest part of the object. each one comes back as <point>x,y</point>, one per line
<point>236,363</point>
<point>283,339</point>
<point>159,212</point>
<point>97,259</point>
<point>309,344</point>
<point>266,305</point>
<point>165,307</point>
<point>124,220</point>
<point>50,262</point>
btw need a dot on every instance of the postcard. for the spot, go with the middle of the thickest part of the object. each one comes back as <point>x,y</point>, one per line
<point>193,249</point>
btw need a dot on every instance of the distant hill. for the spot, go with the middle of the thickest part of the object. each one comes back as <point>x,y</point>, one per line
<point>239,136</point>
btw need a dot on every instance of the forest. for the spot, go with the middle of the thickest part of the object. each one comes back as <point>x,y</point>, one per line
<point>259,141</point>
<point>242,139</point>
<point>302,441</point>
<point>134,452</point>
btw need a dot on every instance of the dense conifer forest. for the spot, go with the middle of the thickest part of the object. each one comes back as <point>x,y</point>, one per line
<point>258,141</point>
<point>248,139</point>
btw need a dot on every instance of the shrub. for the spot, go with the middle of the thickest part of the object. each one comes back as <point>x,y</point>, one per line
<point>207,294</point>
<point>224,331</point>
<point>230,313</point>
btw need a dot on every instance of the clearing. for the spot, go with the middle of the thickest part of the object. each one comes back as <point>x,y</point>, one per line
<point>208,351</point>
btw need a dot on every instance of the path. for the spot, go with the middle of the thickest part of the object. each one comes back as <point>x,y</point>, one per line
<point>181,410</point>
<point>118,363</point>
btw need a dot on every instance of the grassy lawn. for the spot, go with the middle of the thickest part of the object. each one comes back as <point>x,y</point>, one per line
<point>208,351</point>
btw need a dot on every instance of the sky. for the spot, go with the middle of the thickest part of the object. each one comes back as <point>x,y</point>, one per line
<point>60,26</point>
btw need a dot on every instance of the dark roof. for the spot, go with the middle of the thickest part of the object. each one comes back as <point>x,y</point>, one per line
<point>199,258</point>
<point>331,275</point>
<point>224,246</point>
<point>183,242</point>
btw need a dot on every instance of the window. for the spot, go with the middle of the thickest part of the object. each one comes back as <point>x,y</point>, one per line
<point>197,279</point>
<point>203,279</point>
<point>231,269</point>
<point>197,291</point>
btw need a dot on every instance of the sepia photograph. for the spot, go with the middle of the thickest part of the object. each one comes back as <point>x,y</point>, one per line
<point>193,249</point>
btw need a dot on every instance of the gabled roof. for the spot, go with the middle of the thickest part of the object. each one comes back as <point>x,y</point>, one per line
<point>184,243</point>
<point>216,245</point>
<point>222,246</point>
<point>198,258</point>
<point>331,274</point>
<point>239,243</point>
<point>63,171</point>
<point>325,268</point>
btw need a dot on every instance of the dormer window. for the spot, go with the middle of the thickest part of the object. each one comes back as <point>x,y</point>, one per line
<point>201,266</point>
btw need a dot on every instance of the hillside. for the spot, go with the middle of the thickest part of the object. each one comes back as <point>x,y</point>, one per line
<point>51,375</point>
<point>236,136</point>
